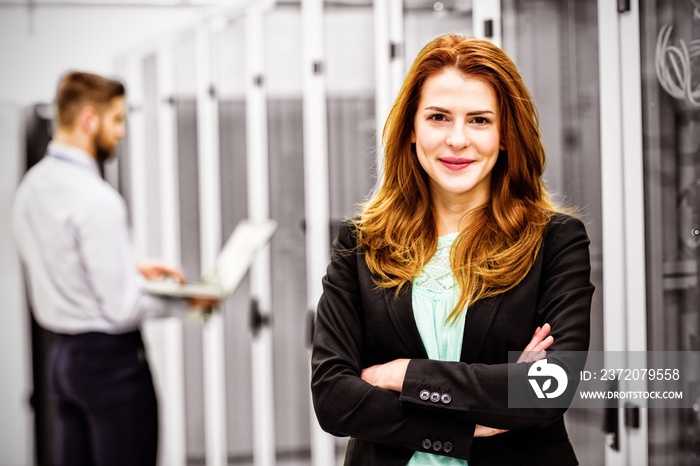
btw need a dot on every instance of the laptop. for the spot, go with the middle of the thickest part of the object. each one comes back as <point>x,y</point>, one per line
<point>231,265</point>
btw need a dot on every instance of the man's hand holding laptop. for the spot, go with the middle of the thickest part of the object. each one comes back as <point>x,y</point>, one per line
<point>225,274</point>
<point>157,271</point>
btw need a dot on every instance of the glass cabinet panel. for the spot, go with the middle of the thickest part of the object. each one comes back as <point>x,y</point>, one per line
<point>283,84</point>
<point>425,19</point>
<point>349,45</point>
<point>555,45</point>
<point>670,44</point>
<point>229,76</point>
<point>185,109</point>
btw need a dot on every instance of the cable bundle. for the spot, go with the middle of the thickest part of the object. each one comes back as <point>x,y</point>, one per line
<point>674,64</point>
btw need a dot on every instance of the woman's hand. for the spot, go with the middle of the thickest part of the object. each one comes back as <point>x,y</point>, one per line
<point>483,431</point>
<point>389,375</point>
<point>535,350</point>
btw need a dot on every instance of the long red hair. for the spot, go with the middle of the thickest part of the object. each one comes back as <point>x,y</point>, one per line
<point>397,227</point>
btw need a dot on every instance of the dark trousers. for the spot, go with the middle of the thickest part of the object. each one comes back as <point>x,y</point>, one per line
<point>106,407</point>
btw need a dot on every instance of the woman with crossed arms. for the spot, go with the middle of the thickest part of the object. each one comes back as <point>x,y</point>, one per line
<point>457,258</point>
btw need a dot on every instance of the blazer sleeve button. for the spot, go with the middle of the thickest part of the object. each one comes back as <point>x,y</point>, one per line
<point>435,397</point>
<point>447,447</point>
<point>446,398</point>
<point>427,444</point>
<point>424,395</point>
<point>437,445</point>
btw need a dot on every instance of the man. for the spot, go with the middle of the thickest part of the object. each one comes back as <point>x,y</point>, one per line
<point>71,231</point>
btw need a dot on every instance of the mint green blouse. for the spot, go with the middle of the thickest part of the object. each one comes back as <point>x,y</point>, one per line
<point>435,294</point>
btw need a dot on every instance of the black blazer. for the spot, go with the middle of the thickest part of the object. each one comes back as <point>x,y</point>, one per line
<point>359,325</point>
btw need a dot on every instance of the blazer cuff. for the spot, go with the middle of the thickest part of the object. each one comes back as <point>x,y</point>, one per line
<point>423,391</point>
<point>418,393</point>
<point>446,436</point>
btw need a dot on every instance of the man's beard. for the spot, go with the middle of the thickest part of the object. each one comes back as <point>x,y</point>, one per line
<point>102,154</point>
<point>103,151</point>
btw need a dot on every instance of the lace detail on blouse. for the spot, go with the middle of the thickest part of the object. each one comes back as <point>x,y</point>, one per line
<point>436,280</point>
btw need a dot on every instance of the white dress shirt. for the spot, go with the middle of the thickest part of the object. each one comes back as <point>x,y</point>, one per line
<point>71,230</point>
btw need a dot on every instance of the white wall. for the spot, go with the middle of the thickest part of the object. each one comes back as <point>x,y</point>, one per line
<point>34,51</point>
<point>15,428</point>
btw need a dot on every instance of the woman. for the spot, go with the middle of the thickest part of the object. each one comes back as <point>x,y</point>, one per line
<point>457,258</point>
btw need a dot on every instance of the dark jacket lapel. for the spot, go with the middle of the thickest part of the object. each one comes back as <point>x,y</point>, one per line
<point>401,312</point>
<point>479,319</point>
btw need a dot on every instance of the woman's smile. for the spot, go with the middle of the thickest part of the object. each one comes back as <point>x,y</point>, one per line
<point>456,163</point>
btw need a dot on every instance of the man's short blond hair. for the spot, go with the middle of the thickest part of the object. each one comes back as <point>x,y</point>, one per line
<point>78,89</point>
